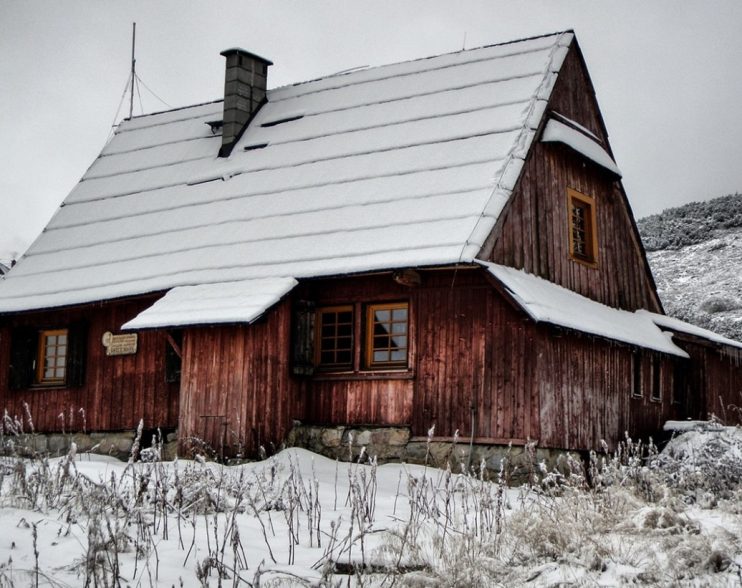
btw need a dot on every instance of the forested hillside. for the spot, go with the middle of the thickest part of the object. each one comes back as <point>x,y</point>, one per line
<point>695,252</point>
<point>692,223</point>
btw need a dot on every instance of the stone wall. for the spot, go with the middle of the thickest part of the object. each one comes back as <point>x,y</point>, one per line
<point>116,444</point>
<point>395,444</point>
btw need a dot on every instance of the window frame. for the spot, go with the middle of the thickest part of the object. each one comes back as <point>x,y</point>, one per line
<point>368,340</point>
<point>360,367</point>
<point>587,203</point>
<point>318,338</point>
<point>40,379</point>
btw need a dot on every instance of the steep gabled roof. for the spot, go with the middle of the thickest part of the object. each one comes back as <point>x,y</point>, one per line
<point>402,165</point>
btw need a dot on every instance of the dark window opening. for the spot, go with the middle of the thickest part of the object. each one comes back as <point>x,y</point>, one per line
<point>636,374</point>
<point>173,356</point>
<point>656,379</point>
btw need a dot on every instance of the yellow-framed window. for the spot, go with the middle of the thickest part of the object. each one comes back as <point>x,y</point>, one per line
<point>51,364</point>
<point>387,335</point>
<point>334,338</point>
<point>583,236</point>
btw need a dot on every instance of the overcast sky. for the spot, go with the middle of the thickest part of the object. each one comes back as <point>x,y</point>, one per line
<point>668,76</point>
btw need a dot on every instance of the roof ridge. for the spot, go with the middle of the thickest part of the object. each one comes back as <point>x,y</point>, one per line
<point>354,70</point>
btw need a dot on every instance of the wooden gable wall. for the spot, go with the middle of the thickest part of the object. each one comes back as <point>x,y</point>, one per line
<point>532,233</point>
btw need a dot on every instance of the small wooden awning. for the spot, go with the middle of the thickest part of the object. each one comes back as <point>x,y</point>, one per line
<point>219,303</point>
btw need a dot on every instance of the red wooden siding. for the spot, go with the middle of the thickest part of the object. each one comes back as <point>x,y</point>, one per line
<point>236,390</point>
<point>117,392</point>
<point>482,367</point>
<point>714,385</point>
<point>532,233</point>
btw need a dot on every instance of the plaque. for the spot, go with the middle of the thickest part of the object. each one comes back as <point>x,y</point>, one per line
<point>120,344</point>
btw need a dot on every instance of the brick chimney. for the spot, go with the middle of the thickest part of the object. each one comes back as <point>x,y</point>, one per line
<point>244,93</point>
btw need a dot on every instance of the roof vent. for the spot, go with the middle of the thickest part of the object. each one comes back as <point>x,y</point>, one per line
<point>245,82</point>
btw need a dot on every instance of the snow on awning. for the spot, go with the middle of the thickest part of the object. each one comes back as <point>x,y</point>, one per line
<point>674,324</point>
<point>546,302</point>
<point>225,302</point>
<point>558,132</point>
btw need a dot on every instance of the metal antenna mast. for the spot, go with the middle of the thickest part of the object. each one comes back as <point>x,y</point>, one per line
<point>133,68</point>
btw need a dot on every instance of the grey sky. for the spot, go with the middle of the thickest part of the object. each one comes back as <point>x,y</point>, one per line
<point>667,75</point>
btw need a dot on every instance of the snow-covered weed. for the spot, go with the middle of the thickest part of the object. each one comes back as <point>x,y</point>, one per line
<point>628,516</point>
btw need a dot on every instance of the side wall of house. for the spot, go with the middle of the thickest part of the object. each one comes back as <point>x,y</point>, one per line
<point>714,384</point>
<point>533,231</point>
<point>237,393</point>
<point>117,391</point>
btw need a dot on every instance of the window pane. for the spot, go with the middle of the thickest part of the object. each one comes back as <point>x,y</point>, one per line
<point>60,373</point>
<point>382,316</point>
<point>344,343</point>
<point>345,317</point>
<point>399,328</point>
<point>345,330</point>
<point>51,340</point>
<point>62,339</point>
<point>399,343</point>
<point>399,314</point>
<point>381,329</point>
<point>344,357</point>
<point>381,356</point>
<point>399,355</point>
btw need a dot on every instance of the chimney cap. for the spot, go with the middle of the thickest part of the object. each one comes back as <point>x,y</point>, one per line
<point>232,50</point>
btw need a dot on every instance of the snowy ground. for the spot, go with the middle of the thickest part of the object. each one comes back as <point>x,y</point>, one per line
<point>299,519</point>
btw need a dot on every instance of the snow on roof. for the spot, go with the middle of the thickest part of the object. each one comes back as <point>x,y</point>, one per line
<point>675,324</point>
<point>396,166</point>
<point>546,302</point>
<point>556,131</point>
<point>234,302</point>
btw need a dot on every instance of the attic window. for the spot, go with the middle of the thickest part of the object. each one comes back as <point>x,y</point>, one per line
<point>583,239</point>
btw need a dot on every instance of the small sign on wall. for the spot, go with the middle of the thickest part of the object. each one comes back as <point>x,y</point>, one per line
<point>120,344</point>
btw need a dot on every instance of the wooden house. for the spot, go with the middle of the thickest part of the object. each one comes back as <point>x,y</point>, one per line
<point>442,242</point>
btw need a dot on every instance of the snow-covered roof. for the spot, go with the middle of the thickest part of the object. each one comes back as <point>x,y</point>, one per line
<point>235,302</point>
<point>677,325</point>
<point>546,302</point>
<point>556,131</point>
<point>396,166</point>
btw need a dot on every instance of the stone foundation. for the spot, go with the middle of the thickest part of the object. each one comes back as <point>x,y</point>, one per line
<point>395,444</point>
<point>116,444</point>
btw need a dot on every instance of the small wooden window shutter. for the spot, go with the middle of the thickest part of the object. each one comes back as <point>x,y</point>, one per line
<point>173,360</point>
<point>78,346</point>
<point>304,315</point>
<point>23,348</point>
